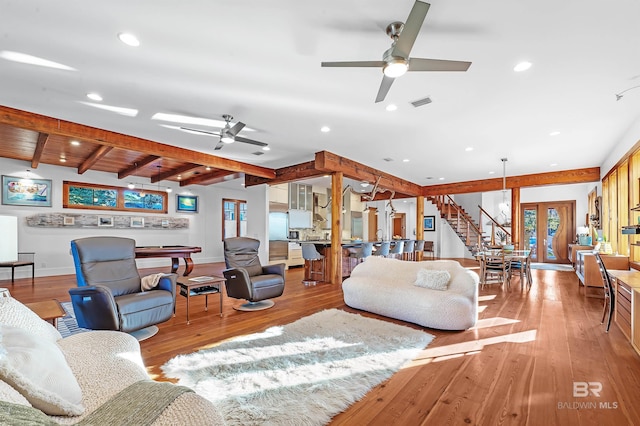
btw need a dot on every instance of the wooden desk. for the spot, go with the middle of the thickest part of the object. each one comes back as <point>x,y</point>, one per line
<point>627,310</point>
<point>174,252</point>
<point>589,273</point>
<point>573,249</point>
<point>48,310</point>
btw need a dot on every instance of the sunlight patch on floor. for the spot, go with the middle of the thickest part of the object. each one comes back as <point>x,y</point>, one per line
<point>473,347</point>
<point>494,322</point>
<point>482,308</point>
<point>486,298</point>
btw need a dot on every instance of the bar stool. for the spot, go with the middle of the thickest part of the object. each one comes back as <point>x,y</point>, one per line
<point>418,251</point>
<point>361,253</point>
<point>311,254</point>
<point>383,250</point>
<point>396,250</point>
<point>407,251</point>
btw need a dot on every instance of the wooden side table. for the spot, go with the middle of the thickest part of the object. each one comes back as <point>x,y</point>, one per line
<point>201,286</point>
<point>48,310</point>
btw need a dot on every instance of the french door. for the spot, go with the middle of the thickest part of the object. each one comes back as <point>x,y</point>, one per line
<point>548,229</point>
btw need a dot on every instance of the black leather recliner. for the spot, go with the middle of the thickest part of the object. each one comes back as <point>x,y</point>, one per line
<point>247,278</point>
<point>109,294</point>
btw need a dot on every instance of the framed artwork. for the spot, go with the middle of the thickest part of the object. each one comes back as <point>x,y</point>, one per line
<point>429,223</point>
<point>105,221</point>
<point>78,195</point>
<point>26,192</point>
<point>187,203</point>
<point>137,222</point>
<point>69,220</point>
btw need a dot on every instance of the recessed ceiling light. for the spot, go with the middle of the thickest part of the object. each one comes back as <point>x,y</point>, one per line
<point>129,112</point>
<point>23,58</point>
<point>491,173</point>
<point>441,178</point>
<point>553,164</point>
<point>391,107</point>
<point>75,143</point>
<point>63,160</point>
<point>469,149</point>
<point>94,96</point>
<point>208,168</point>
<point>266,148</point>
<point>129,39</point>
<point>555,133</point>
<point>522,66</point>
<point>325,129</point>
<point>405,160</point>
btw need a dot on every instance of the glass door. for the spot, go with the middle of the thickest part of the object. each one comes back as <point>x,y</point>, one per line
<point>548,229</point>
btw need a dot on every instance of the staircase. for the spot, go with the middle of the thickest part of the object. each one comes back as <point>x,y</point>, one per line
<point>469,232</point>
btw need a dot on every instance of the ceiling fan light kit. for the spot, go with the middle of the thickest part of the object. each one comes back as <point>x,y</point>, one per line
<point>229,134</point>
<point>396,61</point>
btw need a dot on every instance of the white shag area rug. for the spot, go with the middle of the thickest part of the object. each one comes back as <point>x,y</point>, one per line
<point>302,373</point>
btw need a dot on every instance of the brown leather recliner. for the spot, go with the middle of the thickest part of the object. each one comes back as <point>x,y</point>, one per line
<point>109,294</point>
<point>247,279</point>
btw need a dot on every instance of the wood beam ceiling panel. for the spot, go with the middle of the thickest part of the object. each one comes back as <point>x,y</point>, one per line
<point>211,178</point>
<point>44,124</point>
<point>329,163</point>
<point>172,173</point>
<point>43,138</point>
<point>94,158</point>
<point>136,165</point>
<point>287,174</point>
<point>565,177</point>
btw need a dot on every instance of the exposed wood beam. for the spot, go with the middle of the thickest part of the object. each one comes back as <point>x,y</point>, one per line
<point>287,174</point>
<point>211,178</point>
<point>136,165</point>
<point>564,177</point>
<point>44,124</point>
<point>43,138</point>
<point>93,158</point>
<point>173,172</point>
<point>328,162</point>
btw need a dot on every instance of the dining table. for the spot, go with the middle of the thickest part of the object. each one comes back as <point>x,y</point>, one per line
<point>516,258</point>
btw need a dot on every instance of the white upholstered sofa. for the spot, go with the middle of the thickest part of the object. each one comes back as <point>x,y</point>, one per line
<point>35,363</point>
<point>387,287</point>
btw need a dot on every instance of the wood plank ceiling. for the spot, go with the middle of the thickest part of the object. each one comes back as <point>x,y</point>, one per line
<point>39,139</point>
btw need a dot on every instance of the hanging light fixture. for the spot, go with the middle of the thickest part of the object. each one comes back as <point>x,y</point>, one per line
<point>504,206</point>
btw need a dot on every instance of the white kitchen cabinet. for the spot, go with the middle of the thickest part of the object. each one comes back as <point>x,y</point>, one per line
<point>279,194</point>
<point>295,255</point>
<point>300,219</point>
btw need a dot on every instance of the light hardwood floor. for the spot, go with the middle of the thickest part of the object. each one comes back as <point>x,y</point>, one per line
<point>518,366</point>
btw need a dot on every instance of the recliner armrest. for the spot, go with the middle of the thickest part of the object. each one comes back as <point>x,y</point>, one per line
<point>238,283</point>
<point>277,269</point>
<point>168,283</point>
<point>95,307</point>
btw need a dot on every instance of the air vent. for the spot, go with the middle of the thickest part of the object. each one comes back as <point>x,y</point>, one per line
<point>258,153</point>
<point>421,102</point>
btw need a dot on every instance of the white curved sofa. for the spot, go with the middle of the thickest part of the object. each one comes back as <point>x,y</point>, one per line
<point>386,287</point>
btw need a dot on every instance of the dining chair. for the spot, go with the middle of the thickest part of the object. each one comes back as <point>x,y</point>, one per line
<point>521,262</point>
<point>428,248</point>
<point>418,250</point>
<point>496,268</point>
<point>609,294</point>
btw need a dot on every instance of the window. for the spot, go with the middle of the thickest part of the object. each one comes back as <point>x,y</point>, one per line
<point>78,195</point>
<point>234,218</point>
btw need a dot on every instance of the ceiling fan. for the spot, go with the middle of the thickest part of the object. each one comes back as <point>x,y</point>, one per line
<point>396,61</point>
<point>229,134</point>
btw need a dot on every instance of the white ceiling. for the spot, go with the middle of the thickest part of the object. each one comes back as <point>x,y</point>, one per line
<point>260,62</point>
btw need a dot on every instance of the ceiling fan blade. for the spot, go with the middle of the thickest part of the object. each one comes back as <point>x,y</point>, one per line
<point>353,64</point>
<point>421,64</point>
<point>235,129</point>
<point>411,29</point>
<point>384,88</point>
<point>200,131</point>
<point>219,146</point>
<point>250,141</point>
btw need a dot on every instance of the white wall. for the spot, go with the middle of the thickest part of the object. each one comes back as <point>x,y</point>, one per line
<point>51,245</point>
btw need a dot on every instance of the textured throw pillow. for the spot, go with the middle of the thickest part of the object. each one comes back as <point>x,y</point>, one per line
<point>433,279</point>
<point>37,369</point>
